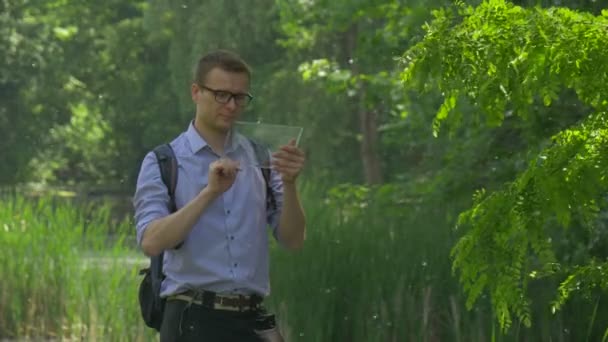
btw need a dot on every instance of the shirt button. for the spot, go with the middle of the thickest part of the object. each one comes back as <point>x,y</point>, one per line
<point>232,238</point>
<point>235,264</point>
<point>228,211</point>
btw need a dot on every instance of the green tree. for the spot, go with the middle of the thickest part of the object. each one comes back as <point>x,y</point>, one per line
<point>85,89</point>
<point>497,62</point>
<point>29,87</point>
<point>350,47</point>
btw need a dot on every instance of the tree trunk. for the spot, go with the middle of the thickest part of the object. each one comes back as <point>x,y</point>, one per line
<point>369,143</point>
<point>368,118</point>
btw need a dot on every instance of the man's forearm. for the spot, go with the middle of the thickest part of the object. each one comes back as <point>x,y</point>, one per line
<point>292,223</point>
<point>169,231</point>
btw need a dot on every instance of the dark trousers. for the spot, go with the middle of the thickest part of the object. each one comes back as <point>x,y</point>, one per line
<point>184,322</point>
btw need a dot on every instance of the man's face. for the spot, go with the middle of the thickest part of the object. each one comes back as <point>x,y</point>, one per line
<point>221,99</point>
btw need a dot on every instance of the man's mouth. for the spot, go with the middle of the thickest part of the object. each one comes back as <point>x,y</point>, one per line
<point>227,117</point>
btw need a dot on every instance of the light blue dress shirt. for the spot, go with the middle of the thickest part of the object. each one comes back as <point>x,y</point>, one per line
<point>227,249</point>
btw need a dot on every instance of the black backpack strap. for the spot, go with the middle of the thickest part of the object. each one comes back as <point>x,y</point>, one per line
<point>261,152</point>
<point>271,202</point>
<point>168,171</point>
<point>167,164</point>
<point>151,304</point>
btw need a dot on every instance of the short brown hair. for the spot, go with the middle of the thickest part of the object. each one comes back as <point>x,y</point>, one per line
<point>223,59</point>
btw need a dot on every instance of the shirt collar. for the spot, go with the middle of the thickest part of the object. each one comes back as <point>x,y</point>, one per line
<point>196,141</point>
<point>233,141</point>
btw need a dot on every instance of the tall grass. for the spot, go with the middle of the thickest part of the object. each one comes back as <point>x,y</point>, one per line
<point>61,275</point>
<point>375,267</point>
<point>368,272</point>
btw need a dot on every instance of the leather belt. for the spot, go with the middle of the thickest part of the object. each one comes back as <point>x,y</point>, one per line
<point>218,301</point>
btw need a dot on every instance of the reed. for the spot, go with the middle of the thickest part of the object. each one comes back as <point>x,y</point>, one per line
<point>64,275</point>
<point>372,269</point>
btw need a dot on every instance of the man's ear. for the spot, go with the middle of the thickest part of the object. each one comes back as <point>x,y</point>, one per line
<point>195,92</point>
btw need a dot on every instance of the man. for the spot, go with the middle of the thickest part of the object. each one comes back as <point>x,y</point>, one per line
<point>216,245</point>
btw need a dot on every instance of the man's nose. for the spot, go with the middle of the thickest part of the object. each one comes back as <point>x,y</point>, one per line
<point>231,103</point>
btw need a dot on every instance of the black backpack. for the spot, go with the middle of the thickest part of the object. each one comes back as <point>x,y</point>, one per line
<point>151,304</point>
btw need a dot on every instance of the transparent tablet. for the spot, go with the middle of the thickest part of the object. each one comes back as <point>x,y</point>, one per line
<point>266,139</point>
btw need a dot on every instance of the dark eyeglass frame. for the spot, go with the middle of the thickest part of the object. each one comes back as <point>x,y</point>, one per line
<point>224,96</point>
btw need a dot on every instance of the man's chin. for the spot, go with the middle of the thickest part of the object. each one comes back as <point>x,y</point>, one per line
<point>225,125</point>
<point>229,121</point>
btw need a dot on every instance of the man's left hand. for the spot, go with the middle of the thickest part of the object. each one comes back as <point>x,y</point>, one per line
<point>289,161</point>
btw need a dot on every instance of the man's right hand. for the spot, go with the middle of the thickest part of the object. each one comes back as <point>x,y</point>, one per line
<point>222,174</point>
<point>169,231</point>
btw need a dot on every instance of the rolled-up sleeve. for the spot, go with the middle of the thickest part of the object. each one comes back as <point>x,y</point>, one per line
<point>151,199</point>
<point>273,215</point>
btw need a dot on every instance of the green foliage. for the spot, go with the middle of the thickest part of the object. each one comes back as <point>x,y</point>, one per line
<point>374,268</point>
<point>349,49</point>
<point>193,29</point>
<point>65,276</point>
<point>510,229</point>
<point>498,60</point>
<point>583,279</point>
<point>88,87</point>
<point>28,79</point>
<point>502,58</point>
<point>77,99</point>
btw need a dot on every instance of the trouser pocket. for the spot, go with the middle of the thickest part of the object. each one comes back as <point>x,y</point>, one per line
<point>266,328</point>
<point>183,323</point>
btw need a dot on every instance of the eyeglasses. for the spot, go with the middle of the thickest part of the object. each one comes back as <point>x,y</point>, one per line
<point>224,96</point>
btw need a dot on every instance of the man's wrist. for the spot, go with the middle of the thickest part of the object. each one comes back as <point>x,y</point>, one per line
<point>210,192</point>
<point>289,183</point>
